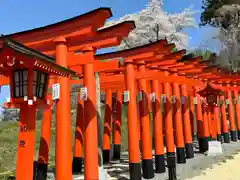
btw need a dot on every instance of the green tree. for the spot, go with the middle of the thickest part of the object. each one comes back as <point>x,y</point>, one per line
<point>221,13</point>
<point>204,53</point>
<point>209,9</point>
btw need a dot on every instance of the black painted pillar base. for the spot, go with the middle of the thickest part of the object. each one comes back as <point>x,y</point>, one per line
<point>171,164</point>
<point>238,132</point>
<point>219,137</point>
<point>147,168</point>
<point>189,150</point>
<point>160,164</point>
<point>106,156</point>
<point>226,138</point>
<point>181,158</point>
<point>135,171</point>
<point>35,169</point>
<point>203,144</point>
<point>116,151</point>
<point>42,171</point>
<point>233,136</point>
<point>77,165</point>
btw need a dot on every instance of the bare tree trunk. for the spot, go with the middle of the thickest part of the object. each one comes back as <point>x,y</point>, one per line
<point>98,109</point>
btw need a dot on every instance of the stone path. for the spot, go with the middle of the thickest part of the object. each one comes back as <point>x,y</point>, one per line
<point>117,170</point>
<point>195,167</point>
<point>228,170</point>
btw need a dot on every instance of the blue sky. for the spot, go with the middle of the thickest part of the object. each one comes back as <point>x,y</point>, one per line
<point>26,14</point>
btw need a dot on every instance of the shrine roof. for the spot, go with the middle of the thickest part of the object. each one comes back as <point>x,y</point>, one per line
<point>14,45</point>
<point>209,90</point>
<point>64,22</point>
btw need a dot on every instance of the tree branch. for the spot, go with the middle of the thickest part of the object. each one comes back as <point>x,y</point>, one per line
<point>144,36</point>
<point>124,40</point>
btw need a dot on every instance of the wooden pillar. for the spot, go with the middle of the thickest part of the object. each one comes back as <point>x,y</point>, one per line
<point>209,114</point>
<point>139,126</point>
<point>117,127</point>
<point>205,127</point>
<point>192,111</point>
<point>25,146</point>
<point>107,126</point>
<point>158,128</point>
<point>225,131</point>
<point>90,119</point>
<point>171,157</point>
<point>138,117</point>
<point>237,111</point>
<point>217,119</point>
<point>213,121</point>
<point>180,148</point>
<point>133,136</point>
<point>187,124</point>
<point>63,151</point>
<point>233,130</point>
<point>203,135</point>
<point>45,142</point>
<point>147,163</point>
<point>78,141</point>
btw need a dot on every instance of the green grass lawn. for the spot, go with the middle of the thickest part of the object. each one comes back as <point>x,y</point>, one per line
<point>8,137</point>
<point>8,145</point>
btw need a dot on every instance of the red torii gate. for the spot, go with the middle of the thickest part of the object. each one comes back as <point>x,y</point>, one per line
<point>181,68</point>
<point>40,43</point>
<point>120,77</point>
<point>217,77</point>
<point>133,174</point>
<point>58,40</point>
<point>156,74</point>
<point>146,76</point>
<point>75,42</point>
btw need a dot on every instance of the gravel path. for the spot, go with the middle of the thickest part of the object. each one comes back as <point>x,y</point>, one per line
<point>198,168</point>
<point>222,171</point>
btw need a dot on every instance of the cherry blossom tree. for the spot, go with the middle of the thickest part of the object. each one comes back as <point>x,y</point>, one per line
<point>153,24</point>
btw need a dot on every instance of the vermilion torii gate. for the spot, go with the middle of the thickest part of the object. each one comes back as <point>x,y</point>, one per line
<point>181,81</point>
<point>155,63</point>
<point>120,77</point>
<point>194,71</point>
<point>45,43</point>
<point>59,40</point>
<point>135,172</point>
<point>218,77</point>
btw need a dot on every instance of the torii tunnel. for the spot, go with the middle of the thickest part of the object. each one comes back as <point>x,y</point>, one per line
<point>150,79</point>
